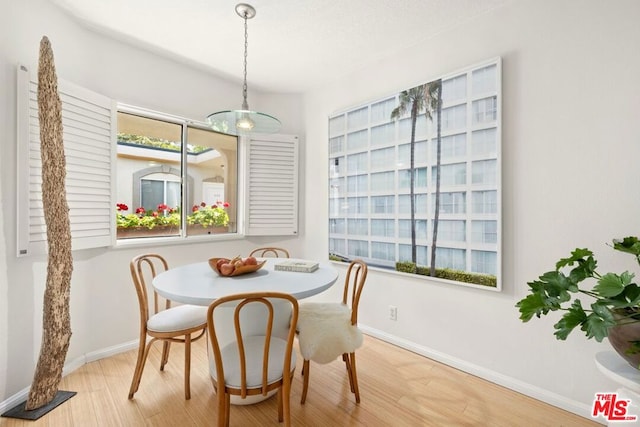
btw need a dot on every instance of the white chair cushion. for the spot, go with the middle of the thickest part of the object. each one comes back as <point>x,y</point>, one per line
<point>254,348</point>
<point>177,318</point>
<point>325,331</point>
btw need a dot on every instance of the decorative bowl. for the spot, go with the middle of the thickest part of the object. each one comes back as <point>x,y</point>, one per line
<point>239,270</point>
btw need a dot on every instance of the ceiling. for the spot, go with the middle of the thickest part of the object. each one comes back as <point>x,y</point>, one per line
<point>294,45</point>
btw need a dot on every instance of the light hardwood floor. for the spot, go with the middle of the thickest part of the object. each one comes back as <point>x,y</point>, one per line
<point>397,388</point>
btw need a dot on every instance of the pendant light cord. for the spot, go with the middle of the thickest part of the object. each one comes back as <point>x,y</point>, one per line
<point>245,104</point>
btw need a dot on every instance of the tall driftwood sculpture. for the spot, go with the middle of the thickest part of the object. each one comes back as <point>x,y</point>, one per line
<point>56,323</point>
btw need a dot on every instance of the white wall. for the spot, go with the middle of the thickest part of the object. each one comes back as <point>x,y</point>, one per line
<point>103,304</point>
<point>571,143</point>
<point>571,98</point>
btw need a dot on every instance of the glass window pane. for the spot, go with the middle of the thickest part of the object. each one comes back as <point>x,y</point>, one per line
<point>484,142</point>
<point>381,111</point>
<point>485,110</point>
<point>357,163</point>
<point>485,80</point>
<point>383,181</point>
<point>454,89</point>
<point>357,119</point>
<point>383,135</point>
<point>383,227</point>
<point>336,145</point>
<point>384,251</point>
<point>383,158</point>
<point>484,172</point>
<point>357,140</point>
<point>337,125</point>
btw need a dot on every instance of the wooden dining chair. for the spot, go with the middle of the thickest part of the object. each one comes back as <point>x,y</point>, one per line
<point>256,364</point>
<point>328,330</point>
<point>271,252</point>
<point>172,324</point>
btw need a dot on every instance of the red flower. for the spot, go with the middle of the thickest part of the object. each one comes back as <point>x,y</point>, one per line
<point>122,207</point>
<point>163,207</point>
<point>203,204</point>
<point>225,204</point>
<point>155,214</point>
<point>194,208</point>
<point>140,210</point>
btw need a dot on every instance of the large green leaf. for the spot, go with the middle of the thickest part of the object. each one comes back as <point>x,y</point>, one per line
<point>573,317</point>
<point>628,244</point>
<point>598,322</point>
<point>534,304</point>
<point>578,254</point>
<point>612,284</point>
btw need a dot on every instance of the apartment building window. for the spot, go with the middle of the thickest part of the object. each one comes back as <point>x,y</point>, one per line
<point>371,148</point>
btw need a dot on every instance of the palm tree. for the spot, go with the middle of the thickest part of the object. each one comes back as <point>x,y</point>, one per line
<point>413,98</point>
<point>427,98</point>
<point>434,103</point>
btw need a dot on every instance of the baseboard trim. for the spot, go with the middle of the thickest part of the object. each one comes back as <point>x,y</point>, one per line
<point>511,383</point>
<point>68,368</point>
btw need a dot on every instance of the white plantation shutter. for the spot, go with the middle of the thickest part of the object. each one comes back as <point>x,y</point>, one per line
<point>271,204</point>
<point>89,129</point>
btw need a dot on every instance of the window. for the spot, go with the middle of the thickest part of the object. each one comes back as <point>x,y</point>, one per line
<point>383,181</point>
<point>383,227</point>
<point>358,226</point>
<point>378,177</point>
<point>165,169</point>
<point>149,171</point>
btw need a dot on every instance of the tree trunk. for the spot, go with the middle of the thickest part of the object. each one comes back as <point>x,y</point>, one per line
<point>436,217</point>
<point>412,184</point>
<point>56,323</point>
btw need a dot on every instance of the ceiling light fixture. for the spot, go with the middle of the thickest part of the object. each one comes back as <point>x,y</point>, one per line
<point>244,121</point>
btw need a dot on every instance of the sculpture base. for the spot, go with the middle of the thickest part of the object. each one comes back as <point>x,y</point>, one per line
<point>19,411</point>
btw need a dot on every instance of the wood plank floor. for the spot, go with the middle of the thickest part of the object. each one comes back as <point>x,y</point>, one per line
<point>397,387</point>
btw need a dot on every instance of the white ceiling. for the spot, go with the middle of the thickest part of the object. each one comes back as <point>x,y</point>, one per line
<point>293,44</point>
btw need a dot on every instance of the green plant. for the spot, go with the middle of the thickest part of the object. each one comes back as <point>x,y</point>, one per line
<point>449,274</point>
<point>207,216</point>
<point>616,296</point>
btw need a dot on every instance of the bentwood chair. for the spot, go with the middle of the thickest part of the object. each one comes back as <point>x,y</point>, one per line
<point>272,252</point>
<point>254,363</point>
<point>172,324</point>
<point>328,330</point>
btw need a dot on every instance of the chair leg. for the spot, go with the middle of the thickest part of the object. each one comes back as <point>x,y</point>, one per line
<point>280,403</point>
<point>187,366</point>
<point>305,381</point>
<point>221,395</point>
<point>354,377</point>
<point>227,409</point>
<point>166,346</point>
<point>347,363</point>
<point>143,352</point>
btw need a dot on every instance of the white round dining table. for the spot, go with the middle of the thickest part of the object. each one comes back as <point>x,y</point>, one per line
<point>198,284</point>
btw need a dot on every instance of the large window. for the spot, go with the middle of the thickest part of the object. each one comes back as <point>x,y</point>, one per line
<point>446,156</point>
<point>151,167</point>
<point>135,171</point>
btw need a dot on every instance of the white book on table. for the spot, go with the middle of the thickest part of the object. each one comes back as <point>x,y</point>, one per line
<point>299,266</point>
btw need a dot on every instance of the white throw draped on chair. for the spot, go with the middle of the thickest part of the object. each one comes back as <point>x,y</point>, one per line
<point>325,331</point>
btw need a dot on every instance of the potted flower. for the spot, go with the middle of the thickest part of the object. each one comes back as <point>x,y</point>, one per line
<point>614,311</point>
<point>163,221</point>
<point>208,219</point>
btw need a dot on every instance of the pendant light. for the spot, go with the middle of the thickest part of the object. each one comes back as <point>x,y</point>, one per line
<point>243,121</point>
